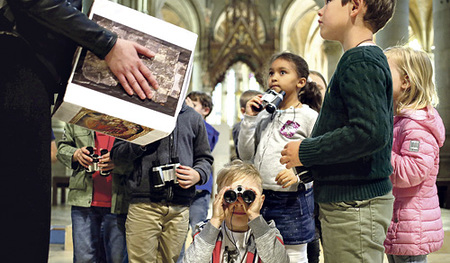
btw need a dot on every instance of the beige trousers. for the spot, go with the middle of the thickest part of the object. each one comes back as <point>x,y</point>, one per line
<point>155,232</point>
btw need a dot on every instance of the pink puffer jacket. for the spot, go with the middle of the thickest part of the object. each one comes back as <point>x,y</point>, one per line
<point>416,226</point>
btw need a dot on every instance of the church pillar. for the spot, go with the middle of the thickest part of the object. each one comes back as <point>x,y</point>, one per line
<point>396,30</point>
<point>441,26</point>
<point>333,51</point>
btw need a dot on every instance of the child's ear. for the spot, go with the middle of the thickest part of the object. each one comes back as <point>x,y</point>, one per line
<point>406,83</point>
<point>263,197</point>
<point>356,6</point>
<point>206,110</point>
<point>301,83</point>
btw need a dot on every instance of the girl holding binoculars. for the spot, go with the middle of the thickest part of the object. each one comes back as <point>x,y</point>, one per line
<point>288,201</point>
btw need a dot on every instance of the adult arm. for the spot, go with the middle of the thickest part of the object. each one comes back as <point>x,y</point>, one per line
<point>120,55</point>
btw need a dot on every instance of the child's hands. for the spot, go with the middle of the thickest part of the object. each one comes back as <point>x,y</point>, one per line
<point>105,162</point>
<point>187,176</point>
<point>254,102</point>
<point>286,178</point>
<point>219,208</point>
<point>253,210</point>
<point>81,156</point>
<point>189,102</point>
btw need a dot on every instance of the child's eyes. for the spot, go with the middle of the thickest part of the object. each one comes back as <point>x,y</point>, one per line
<point>271,73</point>
<point>283,72</point>
<point>327,1</point>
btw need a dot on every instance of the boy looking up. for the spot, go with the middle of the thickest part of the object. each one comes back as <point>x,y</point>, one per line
<point>237,232</point>
<point>350,147</point>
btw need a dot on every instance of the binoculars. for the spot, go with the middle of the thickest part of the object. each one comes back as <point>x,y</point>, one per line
<point>95,160</point>
<point>164,173</point>
<point>270,101</point>
<point>230,196</point>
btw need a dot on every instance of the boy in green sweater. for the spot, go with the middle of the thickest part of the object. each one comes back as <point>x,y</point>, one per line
<point>350,148</point>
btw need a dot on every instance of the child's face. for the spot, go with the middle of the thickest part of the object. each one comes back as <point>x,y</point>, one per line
<point>283,76</point>
<point>318,80</point>
<point>333,20</point>
<point>399,81</point>
<point>236,217</point>
<point>198,107</point>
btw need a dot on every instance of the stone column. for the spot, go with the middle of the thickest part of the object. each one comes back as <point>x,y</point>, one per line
<point>396,30</point>
<point>441,26</point>
<point>333,52</point>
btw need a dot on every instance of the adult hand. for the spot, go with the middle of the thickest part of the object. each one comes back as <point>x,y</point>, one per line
<point>187,176</point>
<point>289,155</point>
<point>81,156</point>
<point>124,62</point>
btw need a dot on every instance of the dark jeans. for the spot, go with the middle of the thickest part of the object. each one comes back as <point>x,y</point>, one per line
<point>98,235</point>
<point>293,213</point>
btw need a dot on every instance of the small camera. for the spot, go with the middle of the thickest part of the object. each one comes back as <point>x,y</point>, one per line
<point>230,196</point>
<point>270,101</point>
<point>164,173</point>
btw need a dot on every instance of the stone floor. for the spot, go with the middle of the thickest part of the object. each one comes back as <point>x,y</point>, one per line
<point>61,217</point>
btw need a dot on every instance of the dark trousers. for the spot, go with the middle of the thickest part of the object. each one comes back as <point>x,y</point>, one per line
<point>25,160</point>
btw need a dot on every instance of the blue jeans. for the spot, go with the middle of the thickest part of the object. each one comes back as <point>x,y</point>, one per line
<point>407,259</point>
<point>198,211</point>
<point>98,235</point>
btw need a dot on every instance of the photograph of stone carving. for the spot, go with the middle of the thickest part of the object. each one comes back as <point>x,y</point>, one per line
<point>109,125</point>
<point>169,66</point>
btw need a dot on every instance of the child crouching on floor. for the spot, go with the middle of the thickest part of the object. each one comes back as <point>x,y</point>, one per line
<point>237,232</point>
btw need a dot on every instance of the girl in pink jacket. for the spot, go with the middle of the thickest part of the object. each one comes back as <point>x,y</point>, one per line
<point>416,226</point>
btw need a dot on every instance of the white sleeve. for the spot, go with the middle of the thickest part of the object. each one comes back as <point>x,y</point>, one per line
<point>246,142</point>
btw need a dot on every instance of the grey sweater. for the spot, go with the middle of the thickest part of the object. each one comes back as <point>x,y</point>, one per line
<point>264,243</point>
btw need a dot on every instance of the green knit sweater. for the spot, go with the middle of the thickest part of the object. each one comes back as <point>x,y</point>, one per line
<point>350,149</point>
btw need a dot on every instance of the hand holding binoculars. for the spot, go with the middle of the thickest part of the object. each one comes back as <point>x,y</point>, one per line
<point>95,161</point>
<point>270,101</point>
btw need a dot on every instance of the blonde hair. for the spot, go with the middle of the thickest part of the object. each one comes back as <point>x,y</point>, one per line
<point>416,65</point>
<point>237,170</point>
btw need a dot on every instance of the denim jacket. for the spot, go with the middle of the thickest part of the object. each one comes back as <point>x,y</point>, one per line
<point>81,184</point>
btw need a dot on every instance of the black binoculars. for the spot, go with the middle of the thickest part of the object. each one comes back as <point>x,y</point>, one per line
<point>270,101</point>
<point>230,196</point>
<point>95,160</point>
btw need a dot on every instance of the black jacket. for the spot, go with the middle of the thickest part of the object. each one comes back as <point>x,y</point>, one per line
<point>188,142</point>
<point>54,28</point>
